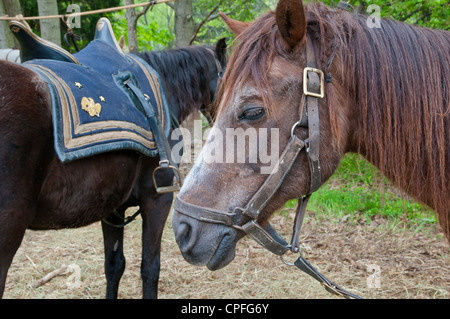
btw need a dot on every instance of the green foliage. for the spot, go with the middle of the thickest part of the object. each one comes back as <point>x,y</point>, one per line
<point>151,36</point>
<point>153,29</point>
<point>357,188</point>
<point>430,13</point>
<point>427,13</point>
<point>88,22</point>
<point>214,28</point>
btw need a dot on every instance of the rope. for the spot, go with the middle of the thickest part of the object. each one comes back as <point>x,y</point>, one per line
<point>76,14</point>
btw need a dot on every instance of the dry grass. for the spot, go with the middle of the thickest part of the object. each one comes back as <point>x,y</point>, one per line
<point>413,264</point>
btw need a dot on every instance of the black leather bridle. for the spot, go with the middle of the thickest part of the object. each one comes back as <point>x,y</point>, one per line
<point>313,90</point>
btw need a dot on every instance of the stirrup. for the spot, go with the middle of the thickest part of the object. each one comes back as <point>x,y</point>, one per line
<point>167,189</point>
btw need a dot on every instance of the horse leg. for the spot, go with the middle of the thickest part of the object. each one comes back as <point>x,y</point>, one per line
<point>20,184</point>
<point>154,212</point>
<point>12,230</point>
<point>26,151</point>
<point>114,257</point>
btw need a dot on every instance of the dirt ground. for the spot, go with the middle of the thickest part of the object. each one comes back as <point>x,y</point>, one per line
<point>380,260</point>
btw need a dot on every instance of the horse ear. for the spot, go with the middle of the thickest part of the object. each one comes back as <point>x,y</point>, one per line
<point>291,21</point>
<point>221,50</point>
<point>234,25</point>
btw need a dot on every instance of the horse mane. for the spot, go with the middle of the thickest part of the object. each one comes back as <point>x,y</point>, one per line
<point>398,78</point>
<point>184,73</point>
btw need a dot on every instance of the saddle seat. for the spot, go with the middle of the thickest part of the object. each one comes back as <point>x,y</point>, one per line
<point>102,99</point>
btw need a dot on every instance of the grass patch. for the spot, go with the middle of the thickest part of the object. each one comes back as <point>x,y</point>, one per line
<point>358,189</point>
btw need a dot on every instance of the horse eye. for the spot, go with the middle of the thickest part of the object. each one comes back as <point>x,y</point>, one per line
<point>252,114</point>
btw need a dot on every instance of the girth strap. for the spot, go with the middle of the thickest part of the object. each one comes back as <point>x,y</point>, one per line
<point>126,220</point>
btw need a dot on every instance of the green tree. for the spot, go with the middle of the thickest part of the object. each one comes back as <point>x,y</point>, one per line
<point>210,27</point>
<point>50,28</point>
<point>156,30</point>
<point>428,13</point>
<point>88,22</point>
<point>6,37</point>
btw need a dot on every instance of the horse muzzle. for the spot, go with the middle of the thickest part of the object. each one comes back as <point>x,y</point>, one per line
<point>204,244</point>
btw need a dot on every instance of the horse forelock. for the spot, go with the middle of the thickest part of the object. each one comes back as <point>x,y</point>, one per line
<point>253,52</point>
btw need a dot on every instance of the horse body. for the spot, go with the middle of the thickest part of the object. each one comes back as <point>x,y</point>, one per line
<point>386,97</point>
<point>69,199</point>
<point>39,192</point>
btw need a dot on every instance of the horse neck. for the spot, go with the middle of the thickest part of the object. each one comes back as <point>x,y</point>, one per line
<point>396,80</point>
<point>185,76</point>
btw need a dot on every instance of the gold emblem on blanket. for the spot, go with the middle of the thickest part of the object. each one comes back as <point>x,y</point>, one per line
<point>88,105</point>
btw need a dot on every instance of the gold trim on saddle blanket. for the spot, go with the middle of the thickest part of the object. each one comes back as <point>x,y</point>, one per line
<point>67,101</point>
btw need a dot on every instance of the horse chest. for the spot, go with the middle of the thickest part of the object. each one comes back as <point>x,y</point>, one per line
<point>85,191</point>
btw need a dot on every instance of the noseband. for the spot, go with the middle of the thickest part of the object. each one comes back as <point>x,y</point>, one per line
<point>313,90</point>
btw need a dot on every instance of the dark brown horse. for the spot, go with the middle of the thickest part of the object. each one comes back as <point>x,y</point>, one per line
<point>386,97</point>
<point>39,192</point>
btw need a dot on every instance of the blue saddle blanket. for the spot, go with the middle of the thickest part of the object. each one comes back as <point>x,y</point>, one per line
<point>93,111</point>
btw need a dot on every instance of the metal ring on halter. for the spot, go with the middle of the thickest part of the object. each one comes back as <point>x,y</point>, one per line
<point>292,264</point>
<point>287,263</point>
<point>293,128</point>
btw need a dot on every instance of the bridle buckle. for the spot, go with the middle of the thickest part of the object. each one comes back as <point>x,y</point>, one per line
<point>306,90</point>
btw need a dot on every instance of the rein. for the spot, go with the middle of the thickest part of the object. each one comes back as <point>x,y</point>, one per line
<point>313,90</point>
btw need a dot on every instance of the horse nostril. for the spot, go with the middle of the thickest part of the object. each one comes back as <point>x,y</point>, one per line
<point>183,235</point>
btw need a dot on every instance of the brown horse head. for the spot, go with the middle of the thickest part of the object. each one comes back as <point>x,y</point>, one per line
<point>261,105</point>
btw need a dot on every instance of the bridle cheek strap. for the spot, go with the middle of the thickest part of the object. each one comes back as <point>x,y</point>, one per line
<point>268,237</point>
<point>275,179</point>
<point>313,89</point>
